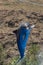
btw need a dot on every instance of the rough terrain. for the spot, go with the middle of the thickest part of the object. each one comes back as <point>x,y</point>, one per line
<point>10,17</point>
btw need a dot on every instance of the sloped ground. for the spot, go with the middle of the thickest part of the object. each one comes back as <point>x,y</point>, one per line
<point>10,17</point>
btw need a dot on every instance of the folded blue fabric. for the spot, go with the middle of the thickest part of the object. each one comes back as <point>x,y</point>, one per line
<point>22,35</point>
<point>22,39</point>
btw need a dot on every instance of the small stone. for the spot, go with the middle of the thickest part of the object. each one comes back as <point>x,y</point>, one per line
<point>11,24</point>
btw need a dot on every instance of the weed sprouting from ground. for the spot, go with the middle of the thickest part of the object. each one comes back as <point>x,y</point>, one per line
<point>2,54</point>
<point>31,57</point>
<point>33,54</point>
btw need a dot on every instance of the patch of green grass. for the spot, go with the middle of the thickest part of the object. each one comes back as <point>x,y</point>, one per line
<point>33,54</point>
<point>14,60</point>
<point>2,54</point>
<point>31,58</point>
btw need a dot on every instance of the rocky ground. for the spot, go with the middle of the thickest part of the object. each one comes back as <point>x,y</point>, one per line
<point>10,17</point>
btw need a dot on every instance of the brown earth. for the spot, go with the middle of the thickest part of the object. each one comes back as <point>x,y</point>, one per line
<point>10,17</point>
